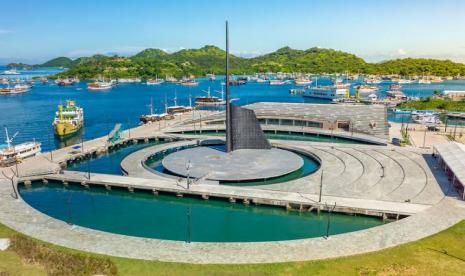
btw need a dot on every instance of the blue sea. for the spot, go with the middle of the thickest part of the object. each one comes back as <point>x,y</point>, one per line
<point>31,113</point>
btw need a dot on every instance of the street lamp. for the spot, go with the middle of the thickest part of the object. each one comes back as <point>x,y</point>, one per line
<point>188,168</point>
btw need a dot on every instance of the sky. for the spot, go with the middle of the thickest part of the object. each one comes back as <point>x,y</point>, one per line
<point>34,31</point>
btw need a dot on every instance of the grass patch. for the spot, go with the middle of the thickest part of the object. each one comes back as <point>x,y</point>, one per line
<point>440,254</point>
<point>434,104</point>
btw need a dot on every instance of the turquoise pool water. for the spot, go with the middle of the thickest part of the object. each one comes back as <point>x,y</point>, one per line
<point>183,219</point>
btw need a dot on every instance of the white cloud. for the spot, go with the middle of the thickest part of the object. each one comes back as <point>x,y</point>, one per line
<point>401,52</point>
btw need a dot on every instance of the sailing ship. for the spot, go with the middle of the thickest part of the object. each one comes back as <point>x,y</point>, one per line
<point>10,154</point>
<point>178,109</point>
<point>210,100</point>
<point>68,119</point>
<point>153,117</point>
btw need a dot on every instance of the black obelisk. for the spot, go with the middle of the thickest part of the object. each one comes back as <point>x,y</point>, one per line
<point>229,145</point>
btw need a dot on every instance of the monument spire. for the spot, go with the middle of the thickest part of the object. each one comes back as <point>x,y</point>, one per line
<point>229,145</point>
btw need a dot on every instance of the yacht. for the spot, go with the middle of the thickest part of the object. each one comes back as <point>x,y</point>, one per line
<point>277,82</point>
<point>11,72</point>
<point>10,154</point>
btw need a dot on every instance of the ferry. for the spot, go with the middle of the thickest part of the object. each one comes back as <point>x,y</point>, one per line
<point>210,100</point>
<point>68,119</point>
<point>100,85</point>
<point>333,92</point>
<point>10,154</point>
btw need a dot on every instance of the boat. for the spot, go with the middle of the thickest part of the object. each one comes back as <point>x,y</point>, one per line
<point>129,80</point>
<point>367,89</point>
<point>260,80</point>
<point>333,92</point>
<point>189,83</point>
<point>424,80</point>
<point>211,77</point>
<point>404,81</point>
<point>302,81</point>
<point>401,111</point>
<point>17,89</point>
<point>100,85</point>
<point>237,82</point>
<point>152,117</point>
<point>210,100</point>
<point>426,119</point>
<point>178,109</point>
<point>66,81</point>
<point>396,95</point>
<point>372,81</point>
<point>10,72</point>
<point>277,82</point>
<point>296,91</point>
<point>11,154</point>
<point>154,82</point>
<point>68,119</point>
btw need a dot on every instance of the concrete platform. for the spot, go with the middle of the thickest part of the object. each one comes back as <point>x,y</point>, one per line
<point>239,165</point>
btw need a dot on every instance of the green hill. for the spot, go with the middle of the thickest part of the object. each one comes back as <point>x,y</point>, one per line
<point>58,62</point>
<point>210,59</point>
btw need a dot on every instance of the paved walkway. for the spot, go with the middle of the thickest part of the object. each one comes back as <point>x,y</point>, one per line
<point>23,218</point>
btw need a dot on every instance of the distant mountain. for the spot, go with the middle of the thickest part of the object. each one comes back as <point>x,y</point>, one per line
<point>210,59</point>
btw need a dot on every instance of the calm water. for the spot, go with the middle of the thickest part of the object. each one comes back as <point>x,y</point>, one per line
<point>166,217</point>
<point>32,113</point>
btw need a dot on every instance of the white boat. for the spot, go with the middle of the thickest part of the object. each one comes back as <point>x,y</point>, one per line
<point>130,80</point>
<point>404,81</point>
<point>367,89</point>
<point>330,92</point>
<point>11,72</point>
<point>260,80</point>
<point>154,82</point>
<point>10,154</point>
<point>189,83</point>
<point>426,119</point>
<point>302,82</point>
<point>100,85</point>
<point>277,82</point>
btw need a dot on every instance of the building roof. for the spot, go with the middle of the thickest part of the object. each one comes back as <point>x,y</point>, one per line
<point>453,154</point>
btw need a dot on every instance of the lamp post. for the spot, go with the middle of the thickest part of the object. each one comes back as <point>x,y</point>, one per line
<point>321,186</point>
<point>188,168</point>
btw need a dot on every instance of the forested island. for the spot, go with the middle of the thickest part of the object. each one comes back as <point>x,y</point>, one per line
<point>210,59</point>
